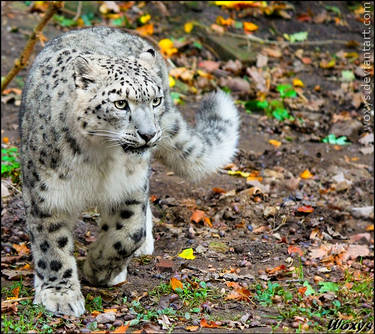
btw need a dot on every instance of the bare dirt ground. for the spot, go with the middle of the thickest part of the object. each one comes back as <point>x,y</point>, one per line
<point>274,227</point>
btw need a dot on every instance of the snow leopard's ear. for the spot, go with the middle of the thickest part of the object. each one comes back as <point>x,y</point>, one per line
<point>148,57</point>
<point>84,73</point>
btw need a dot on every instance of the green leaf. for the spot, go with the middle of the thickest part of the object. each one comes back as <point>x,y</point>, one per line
<point>290,93</point>
<point>195,310</point>
<point>197,45</point>
<point>226,89</point>
<point>255,105</point>
<point>331,139</point>
<point>87,18</point>
<point>336,303</point>
<point>176,97</point>
<point>281,114</point>
<point>238,25</point>
<point>297,37</point>
<point>310,290</point>
<point>347,76</point>
<point>118,22</point>
<point>334,9</point>
<point>328,287</point>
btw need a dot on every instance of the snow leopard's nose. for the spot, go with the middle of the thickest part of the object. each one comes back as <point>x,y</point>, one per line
<point>147,136</point>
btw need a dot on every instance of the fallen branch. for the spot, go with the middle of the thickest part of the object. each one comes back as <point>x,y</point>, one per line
<point>259,40</point>
<point>22,61</point>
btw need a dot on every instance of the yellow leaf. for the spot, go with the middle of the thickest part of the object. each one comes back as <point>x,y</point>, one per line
<point>298,83</point>
<point>187,254</point>
<point>274,142</point>
<point>172,82</point>
<point>306,174</point>
<point>166,47</point>
<point>188,27</point>
<point>176,283</point>
<point>146,30</point>
<point>224,22</point>
<point>145,18</point>
<point>330,64</point>
<point>5,140</point>
<point>241,4</point>
<point>237,172</point>
<point>109,310</point>
<point>370,227</point>
<point>249,27</point>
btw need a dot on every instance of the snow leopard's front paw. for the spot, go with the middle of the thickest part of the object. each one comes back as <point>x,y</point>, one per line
<point>61,301</point>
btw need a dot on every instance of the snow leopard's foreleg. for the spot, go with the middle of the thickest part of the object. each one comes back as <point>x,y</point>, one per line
<point>123,230</point>
<point>56,279</point>
<point>195,152</point>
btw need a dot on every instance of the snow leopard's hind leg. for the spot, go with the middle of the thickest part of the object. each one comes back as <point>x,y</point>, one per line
<point>122,231</point>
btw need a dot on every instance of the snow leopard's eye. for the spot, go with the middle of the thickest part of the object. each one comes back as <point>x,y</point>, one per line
<point>156,102</point>
<point>121,104</point>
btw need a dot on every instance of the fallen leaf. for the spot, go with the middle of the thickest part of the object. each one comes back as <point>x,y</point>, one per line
<point>355,251</point>
<point>16,91</point>
<point>6,140</point>
<point>192,328</point>
<point>187,254</point>
<point>250,27</point>
<point>167,47</point>
<point>273,52</point>
<point>21,249</point>
<point>218,190</point>
<point>302,290</point>
<point>175,283</point>
<point>145,18</point>
<point>306,174</point>
<point>306,209</point>
<point>197,216</point>
<point>298,83</point>
<point>370,227</point>
<point>224,22</point>
<point>208,324</point>
<point>146,30</point>
<point>328,64</point>
<point>107,310</point>
<point>219,29</point>
<point>238,293</point>
<point>275,269</point>
<point>274,142</point>
<point>295,249</point>
<point>237,172</point>
<point>209,65</point>
<point>122,329</point>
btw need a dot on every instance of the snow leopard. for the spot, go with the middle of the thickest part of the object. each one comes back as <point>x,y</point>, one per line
<point>96,107</point>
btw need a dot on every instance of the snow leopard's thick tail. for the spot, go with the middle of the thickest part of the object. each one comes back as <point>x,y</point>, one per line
<point>194,152</point>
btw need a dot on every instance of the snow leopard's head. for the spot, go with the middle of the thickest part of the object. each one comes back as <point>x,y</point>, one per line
<point>119,100</point>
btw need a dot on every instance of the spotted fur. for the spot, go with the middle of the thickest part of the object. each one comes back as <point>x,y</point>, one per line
<point>95,108</point>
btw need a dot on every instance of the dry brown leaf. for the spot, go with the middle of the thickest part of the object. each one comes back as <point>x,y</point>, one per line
<point>209,324</point>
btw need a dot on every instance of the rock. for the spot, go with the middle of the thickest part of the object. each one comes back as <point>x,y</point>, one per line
<point>118,323</point>
<point>165,265</point>
<point>270,211</point>
<point>4,190</point>
<point>364,212</point>
<point>349,129</point>
<point>104,318</point>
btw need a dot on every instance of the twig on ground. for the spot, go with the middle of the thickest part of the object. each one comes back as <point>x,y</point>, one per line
<point>79,11</point>
<point>259,40</point>
<point>22,61</point>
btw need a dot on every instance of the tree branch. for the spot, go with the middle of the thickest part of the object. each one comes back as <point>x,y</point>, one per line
<point>22,61</point>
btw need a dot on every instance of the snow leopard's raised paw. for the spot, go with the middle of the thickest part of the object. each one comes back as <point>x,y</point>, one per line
<point>61,301</point>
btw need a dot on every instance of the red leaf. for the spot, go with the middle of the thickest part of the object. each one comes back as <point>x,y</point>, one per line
<point>209,324</point>
<point>295,249</point>
<point>306,209</point>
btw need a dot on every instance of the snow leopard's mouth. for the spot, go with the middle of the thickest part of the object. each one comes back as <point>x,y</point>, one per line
<point>138,150</point>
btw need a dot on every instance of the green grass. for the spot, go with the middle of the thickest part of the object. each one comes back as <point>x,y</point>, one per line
<point>10,166</point>
<point>28,315</point>
<point>312,305</point>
